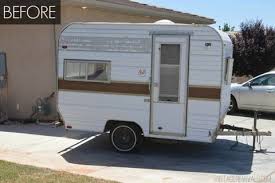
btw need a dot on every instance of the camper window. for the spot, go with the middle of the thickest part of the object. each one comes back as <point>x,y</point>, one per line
<point>228,70</point>
<point>97,72</point>
<point>169,72</point>
<point>75,71</point>
<point>94,71</point>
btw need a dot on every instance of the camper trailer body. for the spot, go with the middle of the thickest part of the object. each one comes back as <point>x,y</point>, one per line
<point>169,81</point>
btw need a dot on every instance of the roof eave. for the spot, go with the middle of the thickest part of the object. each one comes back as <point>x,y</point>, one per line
<point>174,16</point>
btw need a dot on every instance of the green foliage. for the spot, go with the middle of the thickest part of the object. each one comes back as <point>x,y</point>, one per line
<point>254,49</point>
<point>227,28</point>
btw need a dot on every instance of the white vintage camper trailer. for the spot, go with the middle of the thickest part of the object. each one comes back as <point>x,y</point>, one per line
<point>161,80</point>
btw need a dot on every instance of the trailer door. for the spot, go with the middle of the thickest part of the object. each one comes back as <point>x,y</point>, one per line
<point>169,86</point>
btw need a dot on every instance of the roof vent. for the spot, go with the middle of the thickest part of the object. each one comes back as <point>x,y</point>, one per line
<point>169,22</point>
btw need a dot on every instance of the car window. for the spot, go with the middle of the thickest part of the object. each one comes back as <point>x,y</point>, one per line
<point>269,81</point>
<point>260,81</point>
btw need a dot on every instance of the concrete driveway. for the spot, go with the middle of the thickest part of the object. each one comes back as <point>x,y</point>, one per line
<point>92,155</point>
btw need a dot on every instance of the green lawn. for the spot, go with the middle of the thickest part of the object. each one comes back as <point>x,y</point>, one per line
<point>13,173</point>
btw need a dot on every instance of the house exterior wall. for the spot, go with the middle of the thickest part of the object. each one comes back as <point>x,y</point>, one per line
<point>31,56</point>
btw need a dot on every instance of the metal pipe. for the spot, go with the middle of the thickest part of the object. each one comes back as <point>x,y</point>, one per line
<point>255,129</point>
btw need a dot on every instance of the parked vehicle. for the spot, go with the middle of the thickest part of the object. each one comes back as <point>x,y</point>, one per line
<point>166,81</point>
<point>257,94</point>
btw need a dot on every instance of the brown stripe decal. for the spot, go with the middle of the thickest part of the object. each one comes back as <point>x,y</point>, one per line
<point>205,93</point>
<point>135,89</point>
<point>125,88</point>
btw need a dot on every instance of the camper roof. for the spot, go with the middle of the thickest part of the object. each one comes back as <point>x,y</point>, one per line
<point>224,36</point>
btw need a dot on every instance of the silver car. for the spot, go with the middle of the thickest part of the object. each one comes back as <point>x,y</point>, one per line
<point>257,94</point>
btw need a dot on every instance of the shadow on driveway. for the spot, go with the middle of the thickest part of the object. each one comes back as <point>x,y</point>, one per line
<point>44,130</point>
<point>191,157</point>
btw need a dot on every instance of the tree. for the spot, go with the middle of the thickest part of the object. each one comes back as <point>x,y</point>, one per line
<point>227,28</point>
<point>254,48</point>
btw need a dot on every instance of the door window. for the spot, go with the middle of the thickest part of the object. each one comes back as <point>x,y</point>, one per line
<point>169,72</point>
<point>269,81</point>
<point>260,81</point>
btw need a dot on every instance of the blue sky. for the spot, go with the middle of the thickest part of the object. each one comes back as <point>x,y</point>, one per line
<point>230,11</point>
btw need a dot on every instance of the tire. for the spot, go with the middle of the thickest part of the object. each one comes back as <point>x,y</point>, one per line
<point>233,106</point>
<point>125,138</point>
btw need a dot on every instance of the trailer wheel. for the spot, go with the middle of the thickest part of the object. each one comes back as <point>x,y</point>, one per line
<point>125,138</point>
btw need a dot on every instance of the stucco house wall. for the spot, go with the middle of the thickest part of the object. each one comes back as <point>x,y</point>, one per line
<point>31,55</point>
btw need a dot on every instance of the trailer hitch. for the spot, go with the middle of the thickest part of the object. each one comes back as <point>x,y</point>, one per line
<point>240,131</point>
<point>230,127</point>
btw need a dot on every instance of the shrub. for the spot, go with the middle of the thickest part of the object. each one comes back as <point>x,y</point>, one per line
<point>254,48</point>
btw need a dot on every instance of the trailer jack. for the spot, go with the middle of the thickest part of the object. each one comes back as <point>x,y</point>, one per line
<point>239,131</point>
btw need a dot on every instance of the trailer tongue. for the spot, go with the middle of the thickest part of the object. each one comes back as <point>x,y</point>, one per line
<point>240,131</point>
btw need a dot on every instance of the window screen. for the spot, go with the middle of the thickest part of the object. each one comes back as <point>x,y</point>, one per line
<point>170,54</point>
<point>97,71</point>
<point>169,73</point>
<point>75,71</point>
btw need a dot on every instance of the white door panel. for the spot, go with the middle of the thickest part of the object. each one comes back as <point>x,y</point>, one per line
<point>169,87</point>
<point>172,120</point>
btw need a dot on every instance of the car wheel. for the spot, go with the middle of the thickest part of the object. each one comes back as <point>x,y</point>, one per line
<point>233,107</point>
<point>125,138</point>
